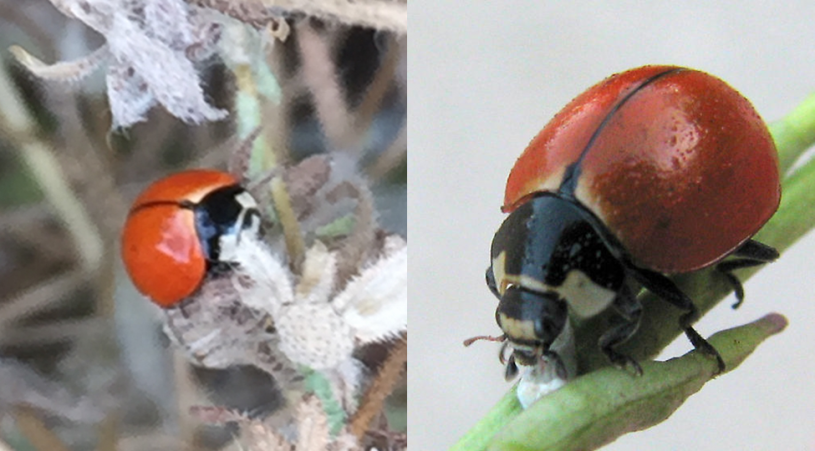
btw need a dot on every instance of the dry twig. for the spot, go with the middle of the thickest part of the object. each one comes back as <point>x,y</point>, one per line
<point>388,376</point>
<point>379,14</point>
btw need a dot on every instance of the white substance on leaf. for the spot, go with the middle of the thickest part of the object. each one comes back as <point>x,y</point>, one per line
<point>536,383</point>
<point>540,380</point>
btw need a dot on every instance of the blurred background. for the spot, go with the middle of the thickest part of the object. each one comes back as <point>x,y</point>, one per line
<point>83,361</point>
<point>485,78</point>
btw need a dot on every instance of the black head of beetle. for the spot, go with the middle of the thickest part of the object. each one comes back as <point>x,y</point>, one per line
<point>546,258</point>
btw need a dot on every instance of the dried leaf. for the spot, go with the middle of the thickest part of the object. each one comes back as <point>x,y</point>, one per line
<point>151,47</point>
<point>65,71</point>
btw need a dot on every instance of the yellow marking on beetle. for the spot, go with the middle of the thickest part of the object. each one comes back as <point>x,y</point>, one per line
<point>585,298</point>
<point>517,329</point>
<point>504,280</point>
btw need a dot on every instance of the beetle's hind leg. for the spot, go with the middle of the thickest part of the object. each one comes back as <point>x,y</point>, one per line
<point>666,289</point>
<point>751,253</point>
<point>630,309</point>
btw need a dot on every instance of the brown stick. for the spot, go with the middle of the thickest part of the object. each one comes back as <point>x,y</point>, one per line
<point>40,437</point>
<point>382,386</point>
<point>379,14</point>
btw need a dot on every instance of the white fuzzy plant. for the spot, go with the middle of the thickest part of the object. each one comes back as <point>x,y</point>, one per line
<point>295,324</point>
<point>150,55</point>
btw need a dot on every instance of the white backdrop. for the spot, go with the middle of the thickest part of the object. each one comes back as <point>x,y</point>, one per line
<point>484,78</point>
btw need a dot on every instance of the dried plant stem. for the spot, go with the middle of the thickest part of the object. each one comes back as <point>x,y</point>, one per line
<point>64,71</point>
<point>382,386</point>
<point>248,109</point>
<point>40,437</point>
<point>378,87</point>
<point>108,432</point>
<point>295,245</point>
<point>391,157</point>
<point>84,162</point>
<point>185,395</point>
<point>40,297</point>
<point>10,12</point>
<point>264,158</point>
<point>320,75</point>
<point>354,252</point>
<point>45,168</point>
<point>378,14</point>
<point>68,330</point>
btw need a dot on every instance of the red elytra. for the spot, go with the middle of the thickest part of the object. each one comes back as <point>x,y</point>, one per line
<point>160,246</point>
<point>682,173</point>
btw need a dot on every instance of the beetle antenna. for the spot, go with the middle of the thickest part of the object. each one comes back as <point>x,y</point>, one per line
<point>500,338</point>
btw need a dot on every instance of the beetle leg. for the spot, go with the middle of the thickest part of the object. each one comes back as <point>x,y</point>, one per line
<point>553,358</point>
<point>666,289</point>
<point>511,370</point>
<point>754,250</point>
<point>503,352</point>
<point>751,253</point>
<point>630,309</point>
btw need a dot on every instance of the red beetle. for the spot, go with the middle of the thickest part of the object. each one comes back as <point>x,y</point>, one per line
<point>653,171</point>
<point>181,228</point>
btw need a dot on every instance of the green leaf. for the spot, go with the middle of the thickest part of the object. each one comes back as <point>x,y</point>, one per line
<point>597,408</point>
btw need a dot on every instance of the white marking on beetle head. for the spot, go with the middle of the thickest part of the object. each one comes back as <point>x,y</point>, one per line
<point>247,225</point>
<point>585,298</point>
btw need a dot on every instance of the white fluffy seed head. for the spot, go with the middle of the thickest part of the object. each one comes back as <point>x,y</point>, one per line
<point>314,335</point>
<point>262,279</point>
<point>374,303</point>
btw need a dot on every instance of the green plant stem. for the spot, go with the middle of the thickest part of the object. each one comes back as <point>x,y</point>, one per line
<point>253,82</point>
<point>480,435</point>
<point>795,133</point>
<point>596,409</point>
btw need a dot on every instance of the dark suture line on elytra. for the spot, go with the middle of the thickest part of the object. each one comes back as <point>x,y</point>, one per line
<point>572,174</point>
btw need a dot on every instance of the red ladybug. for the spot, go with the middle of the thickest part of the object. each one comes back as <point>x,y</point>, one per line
<point>653,171</point>
<point>181,228</point>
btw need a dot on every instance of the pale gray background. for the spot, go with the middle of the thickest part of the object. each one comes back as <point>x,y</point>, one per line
<point>484,78</point>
